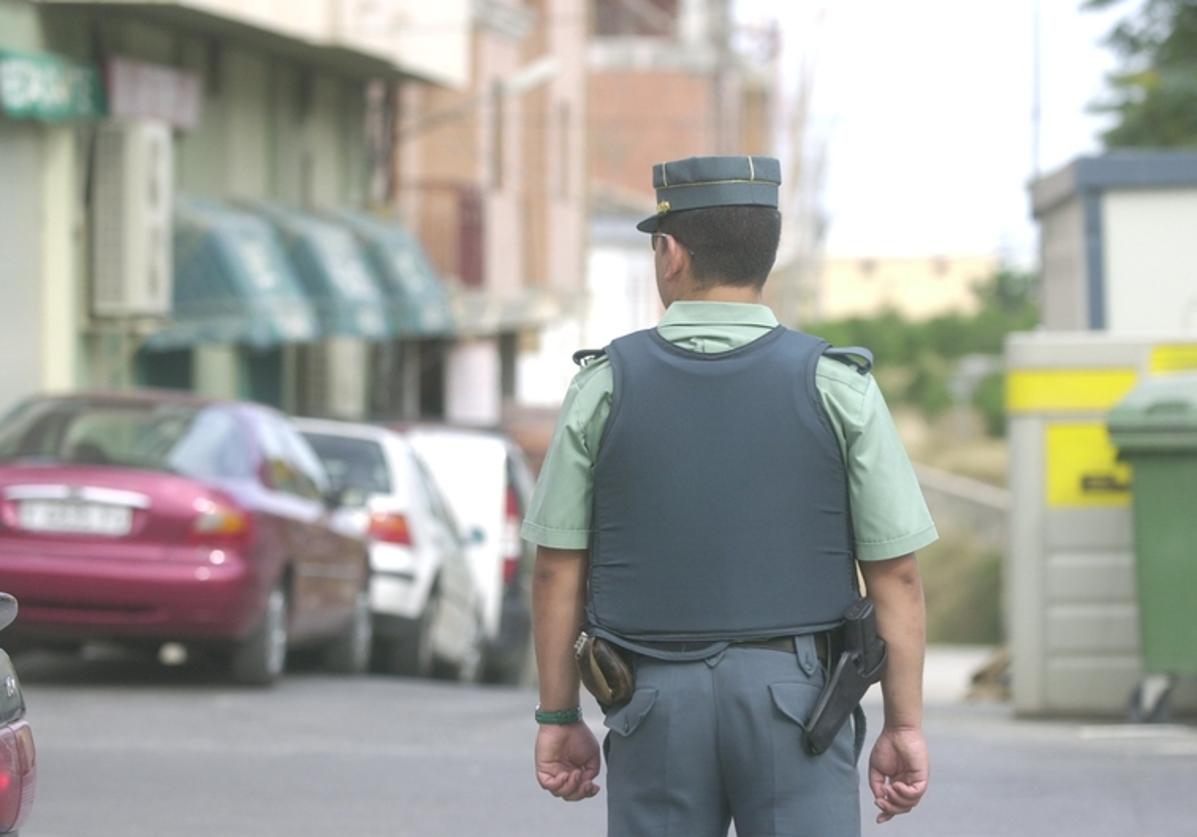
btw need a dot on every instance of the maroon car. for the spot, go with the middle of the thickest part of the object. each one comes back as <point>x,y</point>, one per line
<point>150,517</point>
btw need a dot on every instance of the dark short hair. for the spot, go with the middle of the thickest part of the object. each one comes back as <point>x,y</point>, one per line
<point>732,245</point>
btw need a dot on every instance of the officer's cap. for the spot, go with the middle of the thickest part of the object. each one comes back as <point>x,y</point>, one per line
<point>702,182</point>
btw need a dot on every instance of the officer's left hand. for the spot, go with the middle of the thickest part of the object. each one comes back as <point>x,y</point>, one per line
<point>567,761</point>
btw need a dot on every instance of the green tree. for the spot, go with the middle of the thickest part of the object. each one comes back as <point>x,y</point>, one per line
<point>1154,94</point>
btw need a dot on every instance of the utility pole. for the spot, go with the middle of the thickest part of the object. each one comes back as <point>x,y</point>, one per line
<point>1036,85</point>
<point>804,176</point>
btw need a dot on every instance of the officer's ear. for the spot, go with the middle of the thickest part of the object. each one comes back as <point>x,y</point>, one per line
<point>676,257</point>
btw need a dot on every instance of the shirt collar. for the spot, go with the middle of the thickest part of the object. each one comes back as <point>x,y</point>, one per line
<point>718,313</point>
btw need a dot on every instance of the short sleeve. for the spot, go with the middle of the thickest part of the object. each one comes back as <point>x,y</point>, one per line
<point>889,515</point>
<point>560,509</point>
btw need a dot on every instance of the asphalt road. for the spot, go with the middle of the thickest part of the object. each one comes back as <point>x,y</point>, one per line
<point>133,749</point>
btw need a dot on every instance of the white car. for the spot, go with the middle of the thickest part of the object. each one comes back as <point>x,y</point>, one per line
<point>427,612</point>
<point>487,482</point>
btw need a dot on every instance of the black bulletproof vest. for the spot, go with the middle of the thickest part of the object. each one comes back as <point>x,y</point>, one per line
<point>720,495</point>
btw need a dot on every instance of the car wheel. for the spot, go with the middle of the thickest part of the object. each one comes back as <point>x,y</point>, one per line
<point>504,667</point>
<point>412,653</point>
<point>259,659</point>
<point>473,663</point>
<point>349,653</point>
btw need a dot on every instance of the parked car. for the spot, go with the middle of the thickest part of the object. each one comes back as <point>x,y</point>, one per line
<point>487,482</point>
<point>425,604</point>
<point>18,758</point>
<point>149,517</point>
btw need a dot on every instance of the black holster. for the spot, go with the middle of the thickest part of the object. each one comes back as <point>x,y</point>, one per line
<point>859,664</point>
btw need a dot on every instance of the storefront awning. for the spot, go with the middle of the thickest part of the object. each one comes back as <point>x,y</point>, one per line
<point>334,271</point>
<point>419,302</point>
<point>232,282</point>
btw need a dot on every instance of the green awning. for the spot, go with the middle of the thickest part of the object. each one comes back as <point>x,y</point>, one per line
<point>334,271</point>
<point>232,282</point>
<point>419,302</point>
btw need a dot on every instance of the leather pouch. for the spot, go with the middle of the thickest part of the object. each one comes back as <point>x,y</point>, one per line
<point>604,670</point>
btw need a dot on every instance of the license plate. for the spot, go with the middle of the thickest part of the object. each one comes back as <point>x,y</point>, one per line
<point>75,518</point>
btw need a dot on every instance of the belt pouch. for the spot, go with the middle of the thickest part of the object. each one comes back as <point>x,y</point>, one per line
<point>604,670</point>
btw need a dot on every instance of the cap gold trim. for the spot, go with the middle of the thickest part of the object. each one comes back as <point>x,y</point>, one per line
<point>662,207</point>
<point>721,182</point>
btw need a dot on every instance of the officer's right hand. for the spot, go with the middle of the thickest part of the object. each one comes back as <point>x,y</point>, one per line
<point>567,761</point>
<point>898,771</point>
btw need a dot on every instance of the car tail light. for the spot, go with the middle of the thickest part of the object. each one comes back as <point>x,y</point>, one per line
<point>217,521</point>
<point>18,773</point>
<point>512,548</point>
<point>390,527</point>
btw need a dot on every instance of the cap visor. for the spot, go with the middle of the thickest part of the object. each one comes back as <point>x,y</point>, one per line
<point>649,224</point>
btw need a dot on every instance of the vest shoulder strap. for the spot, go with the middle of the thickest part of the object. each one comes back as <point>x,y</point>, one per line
<point>582,357</point>
<point>856,356</point>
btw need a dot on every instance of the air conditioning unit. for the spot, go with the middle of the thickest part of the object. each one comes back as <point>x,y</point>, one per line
<point>132,220</point>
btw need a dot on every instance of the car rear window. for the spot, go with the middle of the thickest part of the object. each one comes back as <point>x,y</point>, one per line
<point>357,464</point>
<point>194,441</point>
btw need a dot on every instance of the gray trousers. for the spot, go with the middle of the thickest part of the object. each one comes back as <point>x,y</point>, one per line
<point>702,744</point>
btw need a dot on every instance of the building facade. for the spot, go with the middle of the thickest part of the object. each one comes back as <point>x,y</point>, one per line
<point>189,187</point>
<point>493,177</point>
<point>665,81</point>
<point>917,288</point>
<point>1116,244</point>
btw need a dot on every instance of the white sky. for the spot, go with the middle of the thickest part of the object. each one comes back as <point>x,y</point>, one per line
<point>926,106</point>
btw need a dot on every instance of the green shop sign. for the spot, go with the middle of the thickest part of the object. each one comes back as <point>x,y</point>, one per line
<point>41,86</point>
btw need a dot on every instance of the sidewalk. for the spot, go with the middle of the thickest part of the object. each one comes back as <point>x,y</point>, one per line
<point>949,669</point>
<point>993,774</point>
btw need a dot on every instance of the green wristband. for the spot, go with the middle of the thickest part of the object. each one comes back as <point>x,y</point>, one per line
<point>559,717</point>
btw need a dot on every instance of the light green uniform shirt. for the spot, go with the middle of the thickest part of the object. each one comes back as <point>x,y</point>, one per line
<point>889,515</point>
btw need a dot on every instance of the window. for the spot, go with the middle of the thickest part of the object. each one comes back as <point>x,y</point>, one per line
<point>281,462</point>
<point>357,465</point>
<point>312,477</point>
<point>193,441</point>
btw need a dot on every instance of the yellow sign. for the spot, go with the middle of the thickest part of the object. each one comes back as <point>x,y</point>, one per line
<point>1173,359</point>
<point>1067,390</point>
<point>1082,467</point>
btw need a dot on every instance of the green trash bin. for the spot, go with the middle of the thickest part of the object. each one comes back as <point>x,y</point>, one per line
<point>1155,429</point>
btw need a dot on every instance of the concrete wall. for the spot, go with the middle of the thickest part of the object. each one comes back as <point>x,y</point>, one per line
<point>1150,254</point>
<point>40,241</point>
<point>1065,266</point>
<point>21,213</point>
<point>19,25</point>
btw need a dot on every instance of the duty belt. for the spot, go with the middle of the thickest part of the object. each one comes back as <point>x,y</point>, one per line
<point>786,644</point>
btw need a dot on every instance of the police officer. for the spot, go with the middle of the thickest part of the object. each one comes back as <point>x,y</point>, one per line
<point>711,488</point>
